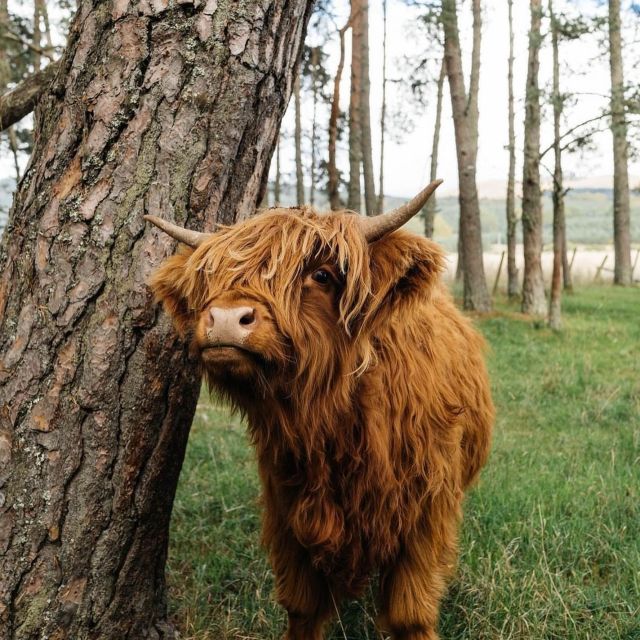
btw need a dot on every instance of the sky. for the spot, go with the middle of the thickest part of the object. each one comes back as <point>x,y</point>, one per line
<point>585,69</point>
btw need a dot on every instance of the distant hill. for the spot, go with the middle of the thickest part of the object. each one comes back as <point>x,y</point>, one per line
<point>589,213</point>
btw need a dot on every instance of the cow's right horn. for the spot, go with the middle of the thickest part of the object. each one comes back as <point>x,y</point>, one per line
<point>377,226</point>
<point>187,236</point>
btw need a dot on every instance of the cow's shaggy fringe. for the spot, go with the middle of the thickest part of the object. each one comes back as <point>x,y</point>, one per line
<point>369,421</point>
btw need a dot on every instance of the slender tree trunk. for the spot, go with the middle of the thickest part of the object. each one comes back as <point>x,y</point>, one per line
<point>555,298</point>
<point>354,200</point>
<point>37,35</point>
<point>297,137</point>
<point>621,215</point>
<point>465,120</point>
<point>512,270</point>
<point>533,296</point>
<point>13,145</point>
<point>315,60</point>
<point>278,181</point>
<point>566,269</point>
<point>96,391</point>
<point>44,12</point>
<point>383,110</point>
<point>431,207</point>
<point>365,115</point>
<point>332,169</point>
<point>5,75</point>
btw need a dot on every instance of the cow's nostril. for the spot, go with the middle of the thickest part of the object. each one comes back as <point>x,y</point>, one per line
<point>248,318</point>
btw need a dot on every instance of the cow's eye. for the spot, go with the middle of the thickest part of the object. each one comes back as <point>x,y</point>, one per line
<point>321,276</point>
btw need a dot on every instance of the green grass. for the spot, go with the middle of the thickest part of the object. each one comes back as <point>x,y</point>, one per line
<point>550,543</point>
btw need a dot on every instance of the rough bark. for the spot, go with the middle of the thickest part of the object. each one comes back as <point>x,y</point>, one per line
<point>383,110</point>
<point>165,109</point>
<point>334,179</point>
<point>533,295</point>
<point>297,140</point>
<point>512,271</point>
<point>621,211</point>
<point>365,116</point>
<point>355,97</point>
<point>555,297</point>
<point>431,206</point>
<point>21,101</point>
<point>465,120</point>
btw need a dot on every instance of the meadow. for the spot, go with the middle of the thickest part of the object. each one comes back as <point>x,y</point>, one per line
<point>550,544</point>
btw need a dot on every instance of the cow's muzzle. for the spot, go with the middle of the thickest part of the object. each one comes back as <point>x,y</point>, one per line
<point>230,326</point>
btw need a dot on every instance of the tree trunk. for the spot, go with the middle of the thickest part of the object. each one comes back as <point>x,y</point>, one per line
<point>315,61</point>
<point>13,146</point>
<point>533,296</point>
<point>297,138</point>
<point>365,117</point>
<point>512,270</point>
<point>96,391</point>
<point>383,110</point>
<point>355,98</point>
<point>332,169</point>
<point>37,35</point>
<point>567,278</point>
<point>621,219</point>
<point>278,181</point>
<point>465,121</point>
<point>431,207</point>
<point>555,298</point>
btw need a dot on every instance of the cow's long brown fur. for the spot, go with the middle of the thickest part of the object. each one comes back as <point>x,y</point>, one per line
<point>370,415</point>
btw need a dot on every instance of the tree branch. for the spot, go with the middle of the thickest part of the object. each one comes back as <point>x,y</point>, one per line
<point>21,100</point>
<point>570,131</point>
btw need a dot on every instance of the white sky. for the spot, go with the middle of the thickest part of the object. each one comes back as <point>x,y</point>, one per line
<point>585,68</point>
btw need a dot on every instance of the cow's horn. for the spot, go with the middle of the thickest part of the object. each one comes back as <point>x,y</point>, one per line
<point>187,236</point>
<point>377,226</point>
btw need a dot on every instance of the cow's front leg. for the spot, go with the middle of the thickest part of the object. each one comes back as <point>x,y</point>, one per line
<point>412,587</point>
<point>301,590</point>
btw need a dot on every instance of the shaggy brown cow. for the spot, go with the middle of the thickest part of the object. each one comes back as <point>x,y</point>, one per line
<point>366,397</point>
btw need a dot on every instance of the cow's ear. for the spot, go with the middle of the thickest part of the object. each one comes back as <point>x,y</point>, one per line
<point>404,268</point>
<point>171,286</point>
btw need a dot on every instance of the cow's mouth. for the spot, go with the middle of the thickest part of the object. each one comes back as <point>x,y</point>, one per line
<point>225,355</point>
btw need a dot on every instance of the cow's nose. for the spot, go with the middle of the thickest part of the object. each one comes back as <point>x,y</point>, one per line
<point>231,325</point>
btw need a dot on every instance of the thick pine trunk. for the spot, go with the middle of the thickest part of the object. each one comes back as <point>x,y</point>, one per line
<point>165,109</point>
<point>533,296</point>
<point>431,206</point>
<point>465,121</point>
<point>512,271</point>
<point>621,211</point>
<point>354,199</point>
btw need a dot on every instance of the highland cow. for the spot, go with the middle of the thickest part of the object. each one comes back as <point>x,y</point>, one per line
<point>365,393</point>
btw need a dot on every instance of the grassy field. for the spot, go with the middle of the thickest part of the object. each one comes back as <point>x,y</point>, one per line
<point>551,538</point>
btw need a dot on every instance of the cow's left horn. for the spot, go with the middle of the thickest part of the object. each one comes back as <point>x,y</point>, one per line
<point>187,236</point>
<point>377,226</point>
